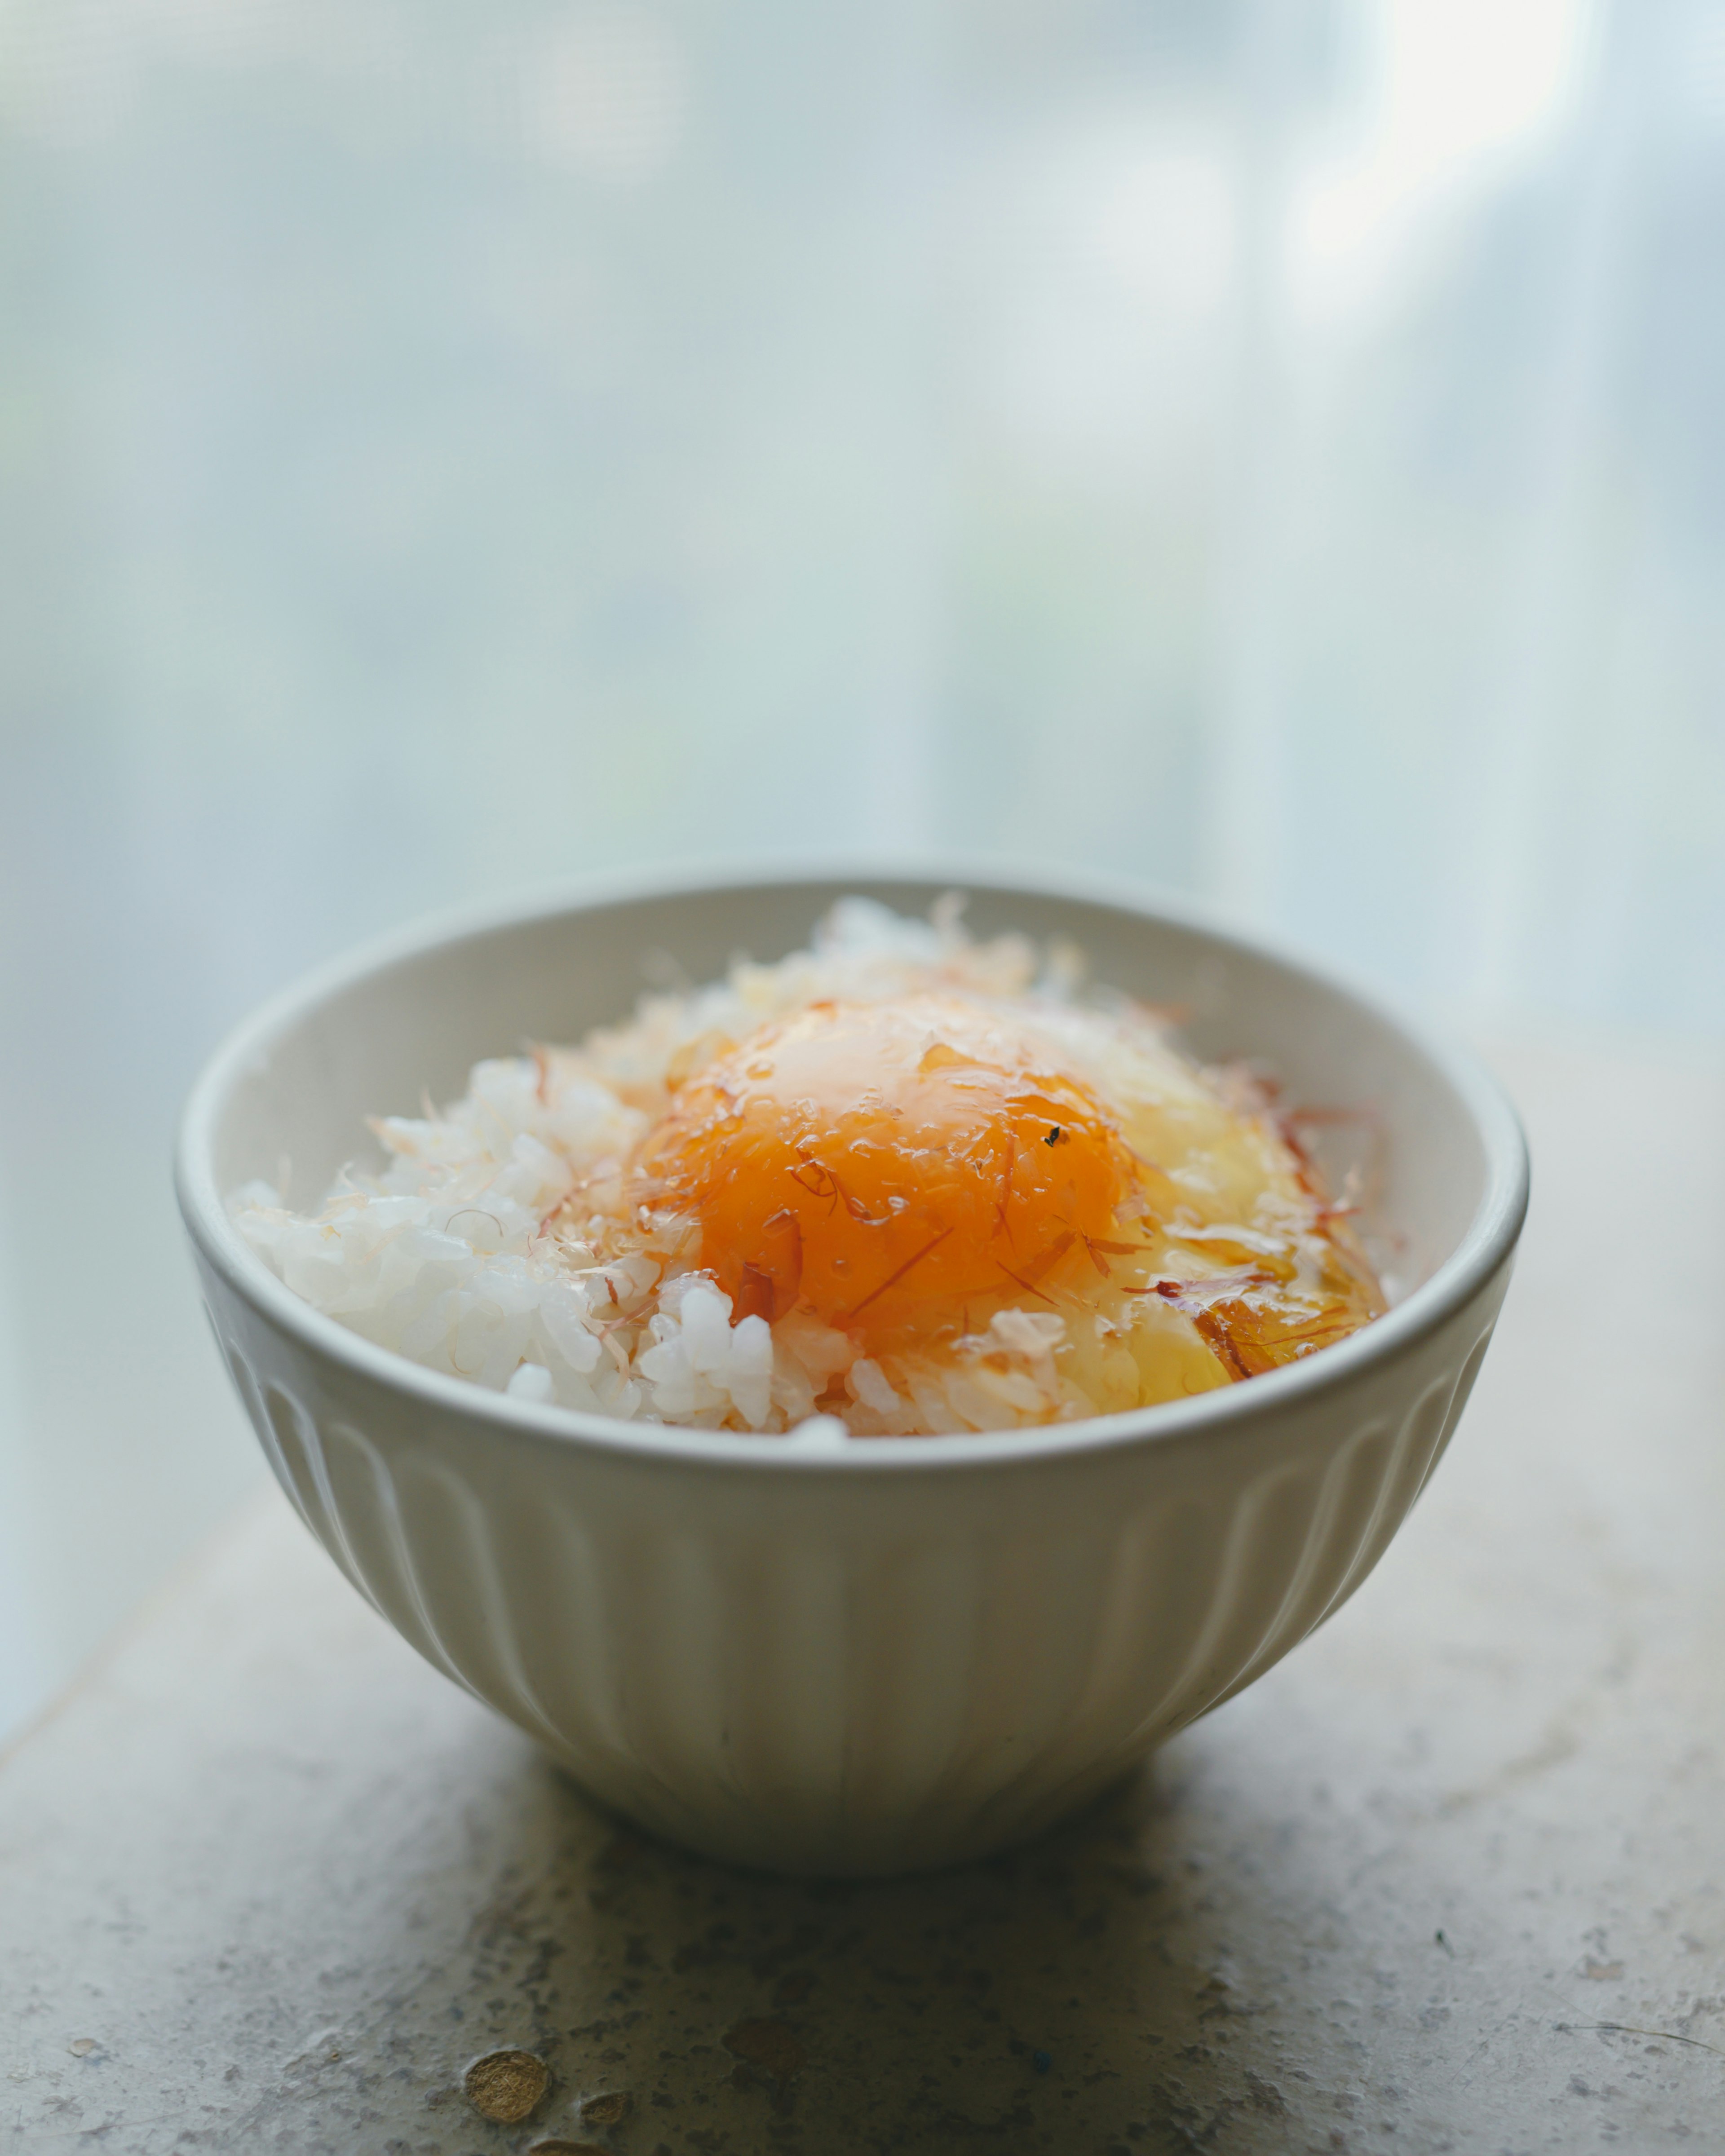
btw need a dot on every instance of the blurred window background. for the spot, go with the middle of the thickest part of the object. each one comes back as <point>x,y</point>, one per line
<point>1274,450</point>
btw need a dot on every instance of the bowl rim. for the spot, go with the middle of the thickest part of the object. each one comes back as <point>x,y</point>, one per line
<point>1232,1410</point>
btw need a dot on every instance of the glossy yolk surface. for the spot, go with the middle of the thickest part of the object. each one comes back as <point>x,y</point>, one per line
<point>889,1166</point>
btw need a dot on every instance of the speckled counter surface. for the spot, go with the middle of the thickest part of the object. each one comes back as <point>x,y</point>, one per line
<point>1451,1877</point>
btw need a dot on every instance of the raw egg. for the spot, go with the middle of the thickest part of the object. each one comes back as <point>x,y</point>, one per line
<point>897,1169</point>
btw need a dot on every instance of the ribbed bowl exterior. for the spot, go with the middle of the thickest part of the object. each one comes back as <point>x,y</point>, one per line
<point>824,1671</point>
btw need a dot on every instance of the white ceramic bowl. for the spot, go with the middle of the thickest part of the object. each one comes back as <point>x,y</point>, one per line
<point>907,1652</point>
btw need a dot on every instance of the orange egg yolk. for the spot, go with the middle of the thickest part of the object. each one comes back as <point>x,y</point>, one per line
<point>899,1169</point>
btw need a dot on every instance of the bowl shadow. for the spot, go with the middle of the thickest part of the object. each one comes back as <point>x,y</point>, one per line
<point>1078,1995</point>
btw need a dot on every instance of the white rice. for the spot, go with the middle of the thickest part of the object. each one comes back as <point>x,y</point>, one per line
<point>500,1243</point>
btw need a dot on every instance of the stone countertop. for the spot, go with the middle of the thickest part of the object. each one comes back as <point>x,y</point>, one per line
<point>1452,1877</point>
